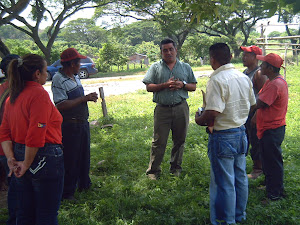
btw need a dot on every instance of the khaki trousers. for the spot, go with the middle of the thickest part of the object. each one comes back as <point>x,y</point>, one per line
<point>175,119</point>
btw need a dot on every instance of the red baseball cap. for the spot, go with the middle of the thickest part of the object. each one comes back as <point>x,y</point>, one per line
<point>70,54</point>
<point>256,50</point>
<point>272,58</point>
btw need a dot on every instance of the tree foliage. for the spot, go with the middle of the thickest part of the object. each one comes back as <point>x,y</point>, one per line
<point>83,31</point>
<point>150,49</point>
<point>9,32</point>
<point>173,21</point>
<point>231,22</point>
<point>138,32</point>
<point>110,54</point>
<point>9,10</point>
<point>56,12</point>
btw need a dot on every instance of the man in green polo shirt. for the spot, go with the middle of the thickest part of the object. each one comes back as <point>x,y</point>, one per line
<point>169,80</point>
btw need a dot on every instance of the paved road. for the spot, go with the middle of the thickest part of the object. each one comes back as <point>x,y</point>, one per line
<point>119,85</point>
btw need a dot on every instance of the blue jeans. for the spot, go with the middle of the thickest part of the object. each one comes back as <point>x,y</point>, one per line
<point>229,183</point>
<point>39,190</point>
<point>76,142</point>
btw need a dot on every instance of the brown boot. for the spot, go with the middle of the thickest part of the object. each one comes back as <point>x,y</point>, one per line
<point>257,170</point>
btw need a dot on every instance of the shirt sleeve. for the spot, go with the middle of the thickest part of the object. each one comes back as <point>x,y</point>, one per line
<point>214,97</point>
<point>252,97</point>
<point>150,75</point>
<point>191,76</point>
<point>59,92</point>
<point>5,134</point>
<point>268,94</point>
<point>40,112</point>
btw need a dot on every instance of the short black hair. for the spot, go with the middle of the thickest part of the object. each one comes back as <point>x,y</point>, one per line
<point>274,68</point>
<point>167,41</point>
<point>5,62</point>
<point>220,52</point>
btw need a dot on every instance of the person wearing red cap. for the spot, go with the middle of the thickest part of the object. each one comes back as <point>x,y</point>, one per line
<point>70,100</point>
<point>258,79</point>
<point>270,120</point>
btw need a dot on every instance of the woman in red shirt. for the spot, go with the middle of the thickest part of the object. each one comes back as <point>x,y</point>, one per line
<point>31,139</point>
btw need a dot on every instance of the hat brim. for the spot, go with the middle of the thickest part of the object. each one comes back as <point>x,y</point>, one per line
<point>261,57</point>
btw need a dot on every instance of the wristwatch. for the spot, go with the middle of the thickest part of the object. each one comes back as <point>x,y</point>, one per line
<point>184,83</point>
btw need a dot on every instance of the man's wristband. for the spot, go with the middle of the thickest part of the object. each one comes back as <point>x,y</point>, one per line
<point>184,83</point>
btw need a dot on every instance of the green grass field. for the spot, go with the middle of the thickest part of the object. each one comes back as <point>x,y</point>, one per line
<point>122,194</point>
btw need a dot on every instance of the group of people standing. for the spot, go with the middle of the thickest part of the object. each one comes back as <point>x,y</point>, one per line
<point>239,107</point>
<point>47,146</point>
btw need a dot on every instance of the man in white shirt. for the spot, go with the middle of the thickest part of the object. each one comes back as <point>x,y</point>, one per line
<point>229,96</point>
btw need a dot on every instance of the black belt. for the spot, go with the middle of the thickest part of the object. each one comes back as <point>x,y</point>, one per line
<point>74,120</point>
<point>170,106</point>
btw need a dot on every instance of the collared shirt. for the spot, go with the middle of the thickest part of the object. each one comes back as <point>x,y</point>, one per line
<point>32,119</point>
<point>159,72</point>
<point>64,88</point>
<point>275,94</point>
<point>230,93</point>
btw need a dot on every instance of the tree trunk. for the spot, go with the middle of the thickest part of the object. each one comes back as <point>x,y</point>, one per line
<point>293,41</point>
<point>236,53</point>
<point>3,49</point>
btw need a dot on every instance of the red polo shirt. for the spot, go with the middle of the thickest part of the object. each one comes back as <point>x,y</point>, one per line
<point>32,119</point>
<point>275,94</point>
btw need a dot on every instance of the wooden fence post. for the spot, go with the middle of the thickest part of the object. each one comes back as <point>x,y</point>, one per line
<point>103,104</point>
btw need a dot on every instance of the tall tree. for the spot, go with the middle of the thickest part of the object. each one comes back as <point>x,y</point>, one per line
<point>174,21</point>
<point>84,31</point>
<point>9,32</point>
<point>230,22</point>
<point>137,32</point>
<point>110,54</point>
<point>56,12</point>
<point>9,10</point>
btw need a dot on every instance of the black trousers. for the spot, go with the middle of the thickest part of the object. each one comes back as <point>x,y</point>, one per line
<point>76,142</point>
<point>271,156</point>
<point>252,139</point>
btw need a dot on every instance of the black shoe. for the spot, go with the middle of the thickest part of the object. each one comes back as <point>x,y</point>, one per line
<point>176,173</point>
<point>81,189</point>
<point>70,198</point>
<point>275,198</point>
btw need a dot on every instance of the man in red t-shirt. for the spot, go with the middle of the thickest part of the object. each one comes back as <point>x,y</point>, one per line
<point>270,120</point>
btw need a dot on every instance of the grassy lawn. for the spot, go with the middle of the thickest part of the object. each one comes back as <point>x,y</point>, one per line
<point>122,194</point>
